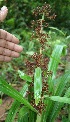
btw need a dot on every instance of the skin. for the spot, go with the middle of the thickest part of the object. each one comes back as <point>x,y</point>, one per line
<point>9,47</point>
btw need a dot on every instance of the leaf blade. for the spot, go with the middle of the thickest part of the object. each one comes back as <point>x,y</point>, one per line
<point>37,85</point>
<point>24,76</point>
<point>14,108</point>
<point>23,114</point>
<point>55,59</point>
<point>9,90</point>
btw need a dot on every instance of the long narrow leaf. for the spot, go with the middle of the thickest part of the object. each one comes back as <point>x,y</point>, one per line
<point>9,90</point>
<point>14,108</point>
<point>55,58</point>
<point>53,64</point>
<point>37,85</point>
<point>58,106</point>
<point>53,28</point>
<point>23,117</point>
<point>52,108</point>
<point>60,99</point>
<point>24,76</point>
<point>63,80</point>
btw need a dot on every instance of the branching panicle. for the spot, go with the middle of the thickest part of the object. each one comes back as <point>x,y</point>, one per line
<point>38,59</point>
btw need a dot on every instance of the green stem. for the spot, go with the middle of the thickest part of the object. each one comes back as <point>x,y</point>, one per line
<point>42,23</point>
<point>69,114</point>
<point>38,118</point>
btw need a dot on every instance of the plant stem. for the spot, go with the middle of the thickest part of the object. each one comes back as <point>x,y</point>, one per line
<point>42,23</point>
<point>69,114</point>
<point>38,118</point>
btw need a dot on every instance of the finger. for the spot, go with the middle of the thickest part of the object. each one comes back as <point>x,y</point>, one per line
<point>3,13</point>
<point>2,42</point>
<point>14,47</point>
<point>10,45</point>
<point>5,58</point>
<point>7,36</point>
<point>1,50</point>
<point>7,52</point>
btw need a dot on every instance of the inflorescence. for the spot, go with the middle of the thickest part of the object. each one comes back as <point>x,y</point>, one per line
<point>38,59</point>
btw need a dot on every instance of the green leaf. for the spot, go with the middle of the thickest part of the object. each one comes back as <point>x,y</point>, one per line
<point>60,99</point>
<point>63,80</point>
<point>37,85</point>
<point>55,58</point>
<point>24,76</point>
<point>59,104</point>
<point>23,114</point>
<point>0,101</point>
<point>53,64</point>
<point>32,116</point>
<point>53,108</point>
<point>9,90</point>
<point>67,94</point>
<point>30,52</point>
<point>31,45</point>
<point>15,106</point>
<point>12,112</point>
<point>53,28</point>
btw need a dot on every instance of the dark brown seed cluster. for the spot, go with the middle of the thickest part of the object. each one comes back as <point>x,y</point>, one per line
<point>40,107</point>
<point>40,24</point>
<point>38,32</point>
<point>38,59</point>
<point>30,67</point>
<point>46,10</point>
<point>40,35</point>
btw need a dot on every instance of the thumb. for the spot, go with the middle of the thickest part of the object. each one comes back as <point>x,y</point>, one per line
<point>3,13</point>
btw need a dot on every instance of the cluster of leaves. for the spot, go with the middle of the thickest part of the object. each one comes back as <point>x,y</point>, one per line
<point>51,108</point>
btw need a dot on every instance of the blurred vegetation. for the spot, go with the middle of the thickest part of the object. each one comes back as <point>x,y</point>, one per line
<point>20,11</point>
<point>18,22</point>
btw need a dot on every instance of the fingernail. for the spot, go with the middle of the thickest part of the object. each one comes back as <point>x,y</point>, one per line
<point>4,8</point>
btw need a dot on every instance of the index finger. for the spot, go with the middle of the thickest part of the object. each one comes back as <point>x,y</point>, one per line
<point>7,36</point>
<point>3,13</point>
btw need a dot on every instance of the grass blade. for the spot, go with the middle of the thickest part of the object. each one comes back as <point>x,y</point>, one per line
<point>53,64</point>
<point>9,90</point>
<point>37,85</point>
<point>55,59</point>
<point>63,80</point>
<point>58,106</point>
<point>53,28</point>
<point>23,114</point>
<point>14,108</point>
<point>60,99</point>
<point>24,76</point>
<point>54,107</point>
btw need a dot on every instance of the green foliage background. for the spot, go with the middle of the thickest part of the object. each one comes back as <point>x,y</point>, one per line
<point>20,11</point>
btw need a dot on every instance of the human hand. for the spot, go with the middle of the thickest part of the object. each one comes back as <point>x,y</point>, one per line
<point>9,47</point>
